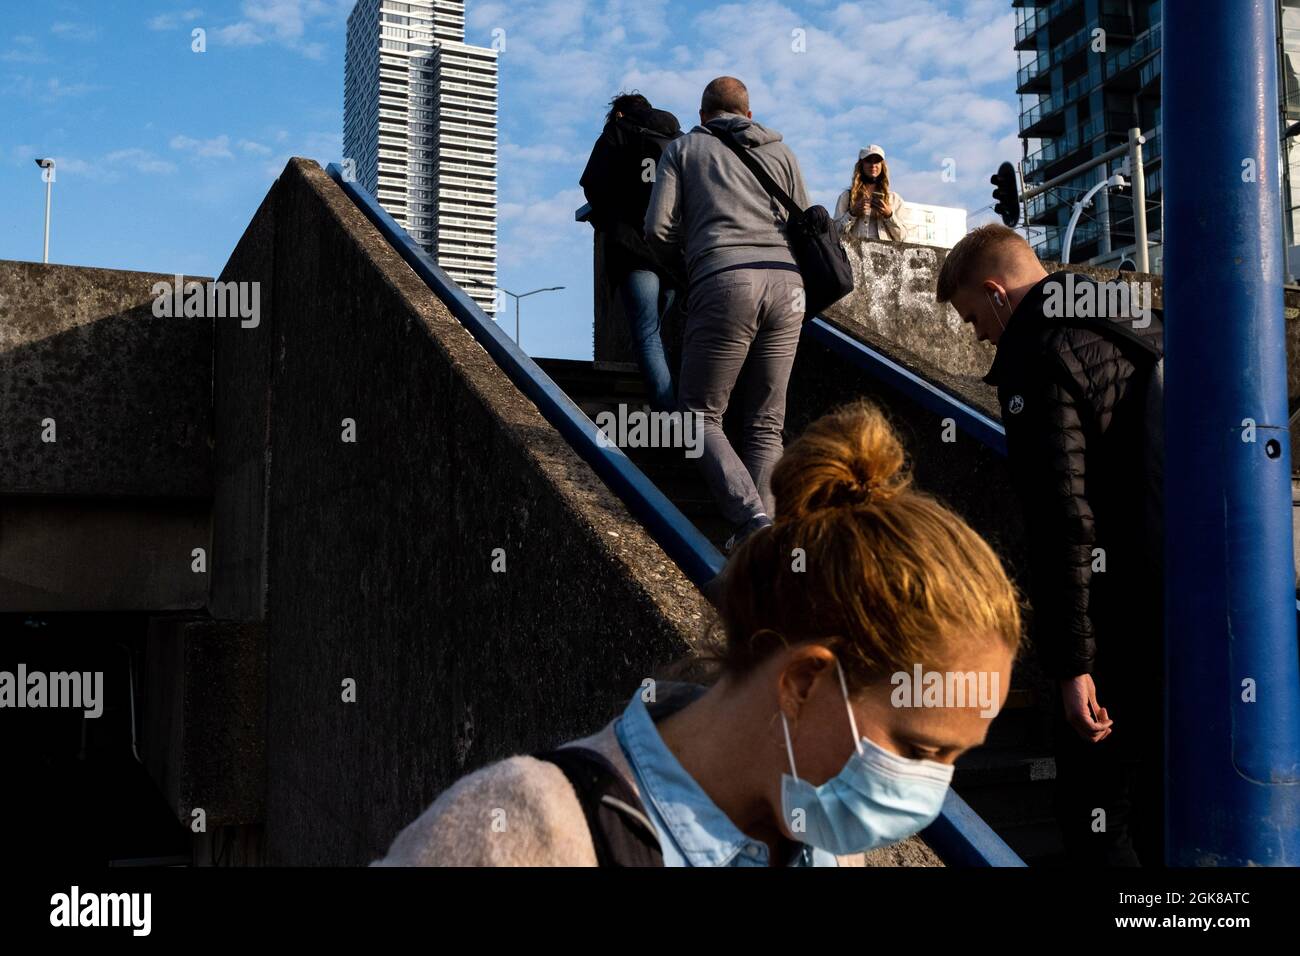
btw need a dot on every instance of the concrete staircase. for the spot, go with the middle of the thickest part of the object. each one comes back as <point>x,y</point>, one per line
<point>602,386</point>
<point>1008,781</point>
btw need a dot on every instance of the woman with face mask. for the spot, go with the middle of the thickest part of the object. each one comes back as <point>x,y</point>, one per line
<point>800,752</point>
<point>869,209</point>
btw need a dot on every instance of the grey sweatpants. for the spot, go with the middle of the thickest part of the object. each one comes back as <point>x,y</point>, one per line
<point>742,329</point>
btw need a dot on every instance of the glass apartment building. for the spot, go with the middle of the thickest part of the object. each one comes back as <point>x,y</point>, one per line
<point>1077,103</point>
<point>1089,71</point>
<point>420,130</point>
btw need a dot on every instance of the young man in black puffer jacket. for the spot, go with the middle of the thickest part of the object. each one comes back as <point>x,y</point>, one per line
<point>1079,375</point>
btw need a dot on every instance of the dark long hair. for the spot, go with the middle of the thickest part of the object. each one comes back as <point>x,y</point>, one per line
<point>624,102</point>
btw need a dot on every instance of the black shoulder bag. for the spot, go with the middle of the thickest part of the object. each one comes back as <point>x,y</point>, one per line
<point>827,276</point>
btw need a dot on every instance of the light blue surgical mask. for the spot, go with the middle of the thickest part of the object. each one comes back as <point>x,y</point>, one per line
<point>877,799</point>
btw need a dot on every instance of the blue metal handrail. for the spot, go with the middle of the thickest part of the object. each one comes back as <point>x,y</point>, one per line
<point>674,532</point>
<point>970,420</point>
<point>959,835</point>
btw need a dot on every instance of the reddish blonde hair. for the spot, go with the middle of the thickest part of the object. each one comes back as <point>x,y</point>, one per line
<point>893,578</point>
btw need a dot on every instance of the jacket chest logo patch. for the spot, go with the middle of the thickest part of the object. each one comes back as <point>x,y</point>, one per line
<point>1016,405</point>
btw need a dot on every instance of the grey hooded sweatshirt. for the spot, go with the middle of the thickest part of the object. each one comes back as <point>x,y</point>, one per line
<point>708,206</point>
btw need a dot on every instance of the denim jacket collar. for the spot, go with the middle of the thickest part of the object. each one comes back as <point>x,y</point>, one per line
<point>701,832</point>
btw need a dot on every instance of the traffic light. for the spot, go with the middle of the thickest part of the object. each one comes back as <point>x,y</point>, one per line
<point>1006,196</point>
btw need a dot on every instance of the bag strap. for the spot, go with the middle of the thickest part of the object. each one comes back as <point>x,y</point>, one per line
<point>761,174</point>
<point>620,831</point>
<point>645,132</point>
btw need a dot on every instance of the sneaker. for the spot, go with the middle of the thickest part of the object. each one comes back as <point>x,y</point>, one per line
<point>756,523</point>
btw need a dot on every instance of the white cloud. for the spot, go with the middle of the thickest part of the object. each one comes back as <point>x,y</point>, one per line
<point>140,161</point>
<point>240,34</point>
<point>77,167</point>
<point>71,30</point>
<point>57,88</point>
<point>218,147</point>
<point>24,50</point>
<point>249,146</point>
<point>543,154</point>
<point>170,21</point>
<point>112,166</point>
<point>543,228</point>
<point>285,22</point>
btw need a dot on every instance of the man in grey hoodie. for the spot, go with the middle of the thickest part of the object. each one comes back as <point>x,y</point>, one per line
<point>745,300</point>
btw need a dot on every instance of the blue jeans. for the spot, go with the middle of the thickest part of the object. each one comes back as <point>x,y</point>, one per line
<point>645,302</point>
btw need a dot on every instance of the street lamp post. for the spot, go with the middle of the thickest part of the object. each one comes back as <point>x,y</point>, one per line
<point>47,174</point>
<point>1116,181</point>
<point>517,297</point>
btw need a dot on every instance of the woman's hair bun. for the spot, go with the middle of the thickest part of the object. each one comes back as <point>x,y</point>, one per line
<point>850,458</point>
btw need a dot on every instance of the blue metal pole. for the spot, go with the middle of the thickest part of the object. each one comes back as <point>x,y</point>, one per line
<point>1232,680</point>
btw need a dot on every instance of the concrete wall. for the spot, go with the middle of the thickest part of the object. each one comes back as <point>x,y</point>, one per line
<point>129,392</point>
<point>378,553</point>
<point>107,515</point>
<point>241,401</point>
<point>66,553</point>
<point>204,731</point>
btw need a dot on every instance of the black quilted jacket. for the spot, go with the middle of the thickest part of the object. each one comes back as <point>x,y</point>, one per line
<point>1074,411</point>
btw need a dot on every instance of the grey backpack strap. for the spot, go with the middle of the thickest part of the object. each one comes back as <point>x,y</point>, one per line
<point>621,832</point>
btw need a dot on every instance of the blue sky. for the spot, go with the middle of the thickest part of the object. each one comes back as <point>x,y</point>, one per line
<point>164,154</point>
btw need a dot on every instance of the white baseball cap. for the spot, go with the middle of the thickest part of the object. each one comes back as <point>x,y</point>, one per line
<point>872,150</point>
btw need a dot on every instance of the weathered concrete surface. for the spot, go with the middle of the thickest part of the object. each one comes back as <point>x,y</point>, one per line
<point>379,552</point>
<point>611,333</point>
<point>911,852</point>
<point>128,392</point>
<point>63,554</point>
<point>204,729</point>
<point>893,298</point>
<point>241,425</point>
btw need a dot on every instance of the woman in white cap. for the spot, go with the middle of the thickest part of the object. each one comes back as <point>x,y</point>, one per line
<point>869,209</point>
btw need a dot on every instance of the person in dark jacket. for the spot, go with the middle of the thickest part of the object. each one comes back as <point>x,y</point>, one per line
<point>1078,389</point>
<point>617,182</point>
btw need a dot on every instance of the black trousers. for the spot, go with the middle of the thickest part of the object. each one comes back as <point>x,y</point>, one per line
<point>1109,798</point>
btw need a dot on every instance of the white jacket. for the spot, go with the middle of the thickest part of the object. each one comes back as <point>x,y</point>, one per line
<point>871,227</point>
